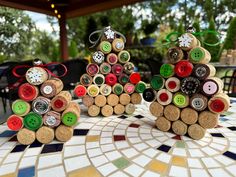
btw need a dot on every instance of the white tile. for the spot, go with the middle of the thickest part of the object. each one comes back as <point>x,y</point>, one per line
<point>113,155</point>
<point>119,132</point>
<point>162,138</point>
<point>164,157</point>
<point>170,142</point>
<point>134,170</point>
<point>8,168</point>
<point>76,163</point>
<point>3,153</point>
<point>191,144</point>
<point>218,172</point>
<point>220,141</point>
<point>122,126</point>
<point>231,169</point>
<point>198,172</point>
<point>132,134</point>
<point>90,145</point>
<point>107,147</point>
<point>121,145</point>
<point>132,129</point>
<point>118,174</point>
<point>106,140</point>
<point>8,145</point>
<point>97,127</point>
<point>210,162</point>
<point>178,171</point>
<point>141,146</point>
<point>131,152</point>
<point>150,174</point>
<point>28,161</point>
<point>108,129</point>
<point>100,160</point>
<point>74,150</point>
<point>94,132</point>
<point>217,146</point>
<point>144,130</point>
<point>84,126</point>
<point>224,160</point>
<point>13,157</point>
<point>107,169</point>
<point>179,152</point>
<point>142,160</point>
<point>112,124</point>
<point>146,136</point>
<point>135,140</point>
<point>94,152</point>
<point>153,143</point>
<point>101,123</point>
<point>209,151</point>
<point>106,134</point>
<point>76,140</point>
<point>32,152</point>
<point>49,160</point>
<point>196,153</point>
<point>150,152</point>
<point>195,163</point>
<point>55,171</point>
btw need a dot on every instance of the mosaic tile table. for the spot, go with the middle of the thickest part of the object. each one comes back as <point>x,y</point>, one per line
<point>124,146</point>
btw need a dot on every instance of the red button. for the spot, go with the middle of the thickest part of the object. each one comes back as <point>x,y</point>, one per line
<point>92,69</point>
<point>112,58</point>
<point>27,92</point>
<point>163,97</point>
<point>58,103</point>
<point>135,78</point>
<point>14,123</point>
<point>80,91</point>
<point>111,79</point>
<point>172,84</point>
<point>117,69</point>
<point>183,68</point>
<point>217,105</point>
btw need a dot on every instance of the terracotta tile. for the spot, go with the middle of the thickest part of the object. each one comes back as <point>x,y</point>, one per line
<point>10,175</point>
<point>134,125</point>
<point>92,138</point>
<point>88,172</point>
<point>119,138</point>
<point>179,161</point>
<point>157,166</point>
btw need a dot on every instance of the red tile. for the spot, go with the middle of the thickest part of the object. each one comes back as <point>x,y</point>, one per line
<point>177,137</point>
<point>134,125</point>
<point>119,138</point>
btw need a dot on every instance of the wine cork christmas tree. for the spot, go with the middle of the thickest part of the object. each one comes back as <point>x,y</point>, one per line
<point>110,84</point>
<point>186,97</point>
<point>43,111</point>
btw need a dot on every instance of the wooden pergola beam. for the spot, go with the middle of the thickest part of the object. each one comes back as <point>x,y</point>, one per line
<point>63,38</point>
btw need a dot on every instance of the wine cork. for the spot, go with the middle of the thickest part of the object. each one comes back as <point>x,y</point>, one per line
<point>189,116</point>
<point>156,109</point>
<point>107,110</point>
<point>105,89</point>
<point>149,95</point>
<point>112,100</point>
<point>135,98</point>
<point>179,127</point>
<point>52,119</point>
<point>140,87</point>
<point>203,71</point>
<point>51,87</point>
<point>92,69</point>
<point>28,92</point>
<point>98,57</point>
<point>181,100</point>
<point>157,82</point>
<point>172,84</point>
<point>118,45</point>
<point>219,82</point>
<point>129,88</point>
<point>219,103</point>
<point>36,75</point>
<point>117,89</point>
<point>80,91</point>
<point>117,69</point>
<point>198,102</point>
<point>172,112</point>
<point>64,133</point>
<point>208,119</point>
<point>112,58</point>
<point>93,90</point>
<point>135,78</point>
<point>105,47</point>
<point>167,70</point>
<point>99,79</point>
<point>123,56</point>
<point>86,80</point>
<point>123,79</point>
<point>163,124</point>
<point>199,55</point>
<point>87,100</point>
<point>71,114</point>
<point>183,68</point>
<point>119,109</point>
<point>33,121</point>
<point>129,68</point>
<point>105,68</point>
<point>196,132</point>
<point>111,79</point>
<point>41,105</point>
<point>93,110</point>
<point>210,87</point>
<point>174,55</point>
<point>190,85</point>
<point>15,122</point>
<point>100,100</point>
<point>61,101</point>
<point>20,107</point>
<point>45,135</point>
<point>129,108</point>
<point>25,136</point>
<point>187,41</point>
<point>124,99</point>
<point>164,97</point>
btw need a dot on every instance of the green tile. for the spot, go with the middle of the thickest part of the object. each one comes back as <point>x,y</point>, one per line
<point>121,163</point>
<point>180,144</point>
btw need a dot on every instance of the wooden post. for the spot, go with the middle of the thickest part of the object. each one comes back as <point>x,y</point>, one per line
<point>63,38</point>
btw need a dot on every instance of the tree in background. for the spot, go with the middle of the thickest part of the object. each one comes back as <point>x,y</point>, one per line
<point>230,41</point>
<point>212,38</point>
<point>73,49</point>
<point>180,27</point>
<point>197,28</point>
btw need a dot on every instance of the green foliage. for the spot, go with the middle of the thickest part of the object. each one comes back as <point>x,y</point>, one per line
<point>149,27</point>
<point>181,27</point>
<point>197,28</point>
<point>73,50</point>
<point>212,38</point>
<point>230,41</point>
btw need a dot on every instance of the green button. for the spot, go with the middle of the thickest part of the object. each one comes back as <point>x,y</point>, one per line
<point>33,121</point>
<point>140,87</point>
<point>167,70</point>
<point>118,89</point>
<point>124,57</point>
<point>179,100</point>
<point>157,82</point>
<point>106,46</point>
<point>99,80</point>
<point>197,54</point>
<point>20,107</point>
<point>69,119</point>
<point>106,69</point>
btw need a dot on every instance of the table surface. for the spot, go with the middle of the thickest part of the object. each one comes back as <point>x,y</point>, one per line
<point>120,146</point>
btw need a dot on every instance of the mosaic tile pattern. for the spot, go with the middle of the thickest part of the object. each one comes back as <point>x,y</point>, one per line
<point>124,146</point>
